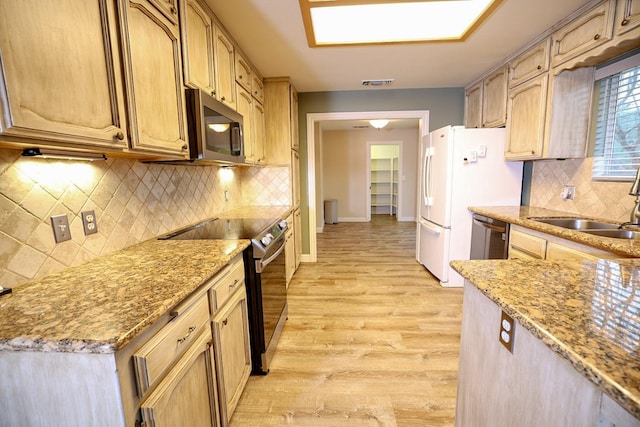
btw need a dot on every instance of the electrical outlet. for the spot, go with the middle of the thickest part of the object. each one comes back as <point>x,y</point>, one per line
<point>61,230</point>
<point>507,328</point>
<point>482,150</point>
<point>89,222</point>
<point>226,195</point>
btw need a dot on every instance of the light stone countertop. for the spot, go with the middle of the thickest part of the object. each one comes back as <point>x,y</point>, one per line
<point>587,312</point>
<point>519,215</point>
<point>99,306</point>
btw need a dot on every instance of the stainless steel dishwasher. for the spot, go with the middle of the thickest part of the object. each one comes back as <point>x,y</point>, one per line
<point>489,238</point>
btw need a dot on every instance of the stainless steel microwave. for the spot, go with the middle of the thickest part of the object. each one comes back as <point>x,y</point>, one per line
<point>214,130</point>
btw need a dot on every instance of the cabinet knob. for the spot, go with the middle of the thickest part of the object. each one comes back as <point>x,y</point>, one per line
<point>184,147</point>
<point>539,67</point>
<point>533,151</point>
<point>223,98</point>
<point>120,136</point>
<point>213,93</point>
<point>225,321</point>
<point>596,37</point>
<point>240,77</point>
<point>173,10</point>
<point>624,22</point>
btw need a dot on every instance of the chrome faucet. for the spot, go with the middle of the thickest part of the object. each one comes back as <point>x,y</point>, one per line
<point>634,219</point>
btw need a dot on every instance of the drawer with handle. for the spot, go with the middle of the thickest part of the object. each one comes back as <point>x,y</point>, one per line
<point>160,352</point>
<point>227,285</point>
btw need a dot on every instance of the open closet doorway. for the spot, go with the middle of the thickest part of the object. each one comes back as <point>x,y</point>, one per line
<point>384,172</point>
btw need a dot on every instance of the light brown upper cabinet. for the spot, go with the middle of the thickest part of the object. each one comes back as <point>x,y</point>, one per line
<point>66,90</point>
<point>494,99</point>
<point>258,132</point>
<point>197,46</point>
<point>224,54</point>
<point>243,71</point>
<point>525,124</point>
<point>486,101</point>
<point>281,119</point>
<point>529,64</point>
<point>548,116</point>
<point>584,33</point>
<point>627,16</point>
<point>169,8</point>
<point>245,108</point>
<point>154,73</point>
<point>257,87</point>
<point>473,106</point>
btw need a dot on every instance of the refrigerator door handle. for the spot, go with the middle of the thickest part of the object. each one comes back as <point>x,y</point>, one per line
<point>430,227</point>
<point>426,179</point>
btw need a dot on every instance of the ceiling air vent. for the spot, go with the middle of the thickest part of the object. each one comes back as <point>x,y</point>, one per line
<point>377,83</point>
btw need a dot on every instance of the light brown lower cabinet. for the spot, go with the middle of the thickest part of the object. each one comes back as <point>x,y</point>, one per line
<point>232,351</point>
<point>187,397</point>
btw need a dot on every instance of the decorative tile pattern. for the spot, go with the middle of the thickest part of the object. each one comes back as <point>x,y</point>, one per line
<point>133,202</point>
<point>607,200</point>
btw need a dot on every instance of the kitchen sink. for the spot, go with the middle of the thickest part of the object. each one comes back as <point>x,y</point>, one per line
<point>617,234</point>
<point>578,223</point>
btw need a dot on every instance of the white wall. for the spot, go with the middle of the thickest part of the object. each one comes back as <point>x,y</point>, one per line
<point>344,169</point>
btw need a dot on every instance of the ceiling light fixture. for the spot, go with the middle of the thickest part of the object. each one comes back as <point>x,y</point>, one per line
<point>379,124</point>
<point>357,22</point>
<point>49,153</point>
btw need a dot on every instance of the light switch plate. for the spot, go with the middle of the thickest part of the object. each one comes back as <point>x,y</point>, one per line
<point>507,329</point>
<point>61,230</point>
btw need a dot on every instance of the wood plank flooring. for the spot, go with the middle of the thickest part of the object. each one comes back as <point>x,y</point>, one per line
<point>372,339</point>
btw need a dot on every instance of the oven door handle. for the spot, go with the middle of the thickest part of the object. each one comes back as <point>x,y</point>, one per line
<point>260,265</point>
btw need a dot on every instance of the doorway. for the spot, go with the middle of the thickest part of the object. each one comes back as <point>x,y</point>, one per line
<point>314,154</point>
<point>384,184</point>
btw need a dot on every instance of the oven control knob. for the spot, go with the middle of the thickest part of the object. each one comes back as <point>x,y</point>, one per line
<point>282,225</point>
<point>267,239</point>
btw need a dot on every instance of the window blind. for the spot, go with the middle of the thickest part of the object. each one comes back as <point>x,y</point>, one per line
<point>617,137</point>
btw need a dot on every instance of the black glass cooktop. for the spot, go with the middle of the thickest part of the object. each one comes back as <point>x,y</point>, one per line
<point>224,228</point>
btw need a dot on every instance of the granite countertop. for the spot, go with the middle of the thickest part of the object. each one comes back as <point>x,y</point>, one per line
<point>99,306</point>
<point>588,312</point>
<point>258,212</point>
<point>519,215</point>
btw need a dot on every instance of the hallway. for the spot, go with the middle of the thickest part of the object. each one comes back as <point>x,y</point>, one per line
<point>371,340</point>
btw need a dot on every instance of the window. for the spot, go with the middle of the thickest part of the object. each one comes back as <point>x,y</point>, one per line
<point>617,137</point>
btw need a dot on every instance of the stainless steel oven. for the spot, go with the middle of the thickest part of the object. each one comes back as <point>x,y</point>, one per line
<point>265,276</point>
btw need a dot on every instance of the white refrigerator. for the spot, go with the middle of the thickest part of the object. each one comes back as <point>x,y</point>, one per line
<point>459,168</point>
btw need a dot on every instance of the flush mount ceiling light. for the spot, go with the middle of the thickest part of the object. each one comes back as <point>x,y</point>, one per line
<point>378,124</point>
<point>357,22</point>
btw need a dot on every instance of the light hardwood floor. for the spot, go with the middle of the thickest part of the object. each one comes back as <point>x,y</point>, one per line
<point>371,340</point>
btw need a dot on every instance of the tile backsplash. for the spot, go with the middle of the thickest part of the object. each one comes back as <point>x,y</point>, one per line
<point>607,200</point>
<point>133,202</point>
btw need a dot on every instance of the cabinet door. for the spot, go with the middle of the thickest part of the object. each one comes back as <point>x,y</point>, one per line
<point>526,106</point>
<point>589,30</point>
<point>289,253</point>
<point>168,8</point>
<point>257,87</point>
<point>473,106</point>
<point>531,63</point>
<point>197,44</point>
<point>295,179</point>
<point>245,108</point>
<point>627,16</point>
<point>187,396</point>
<point>243,71</point>
<point>233,355</point>
<point>297,235</point>
<point>278,126</point>
<point>224,61</point>
<point>295,139</point>
<point>494,99</point>
<point>60,74</point>
<point>258,132</point>
<point>156,95</point>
